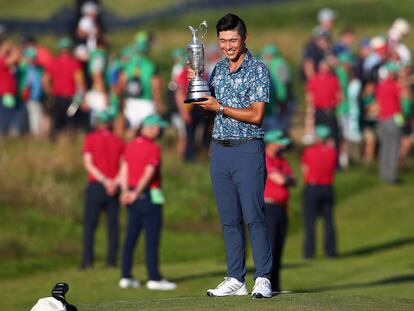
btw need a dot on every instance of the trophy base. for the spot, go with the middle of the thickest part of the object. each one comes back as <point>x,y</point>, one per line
<point>196,91</point>
<point>195,100</point>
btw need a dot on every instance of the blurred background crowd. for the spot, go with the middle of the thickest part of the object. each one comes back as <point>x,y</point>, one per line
<point>360,87</point>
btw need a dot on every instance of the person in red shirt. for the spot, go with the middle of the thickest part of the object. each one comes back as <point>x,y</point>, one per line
<point>102,154</point>
<point>323,94</point>
<point>276,195</point>
<point>9,56</point>
<point>319,165</point>
<point>141,192</point>
<point>65,82</point>
<point>388,94</point>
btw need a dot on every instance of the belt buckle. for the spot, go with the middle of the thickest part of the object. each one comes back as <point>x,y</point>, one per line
<point>226,143</point>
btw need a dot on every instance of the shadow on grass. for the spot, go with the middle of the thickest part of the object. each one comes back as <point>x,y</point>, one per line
<point>379,247</point>
<point>398,279</point>
<point>222,273</point>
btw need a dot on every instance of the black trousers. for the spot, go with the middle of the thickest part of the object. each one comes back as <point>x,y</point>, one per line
<point>97,201</point>
<point>328,118</point>
<point>277,224</point>
<point>145,216</point>
<point>319,201</point>
<point>197,119</point>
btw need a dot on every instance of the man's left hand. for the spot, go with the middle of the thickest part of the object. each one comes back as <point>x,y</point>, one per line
<point>211,104</point>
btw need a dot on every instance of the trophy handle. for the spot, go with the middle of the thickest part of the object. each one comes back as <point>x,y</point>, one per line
<point>204,23</point>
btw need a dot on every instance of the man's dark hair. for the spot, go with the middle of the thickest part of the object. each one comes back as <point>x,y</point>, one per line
<point>232,22</point>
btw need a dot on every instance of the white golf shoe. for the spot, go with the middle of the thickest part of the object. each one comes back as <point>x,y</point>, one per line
<point>161,285</point>
<point>128,283</point>
<point>262,288</point>
<point>229,287</point>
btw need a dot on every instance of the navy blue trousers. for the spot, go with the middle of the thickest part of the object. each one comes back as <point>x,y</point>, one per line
<point>7,118</point>
<point>97,201</point>
<point>143,215</point>
<point>277,224</point>
<point>319,200</point>
<point>238,177</point>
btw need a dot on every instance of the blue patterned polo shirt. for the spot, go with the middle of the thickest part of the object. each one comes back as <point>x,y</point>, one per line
<point>250,83</point>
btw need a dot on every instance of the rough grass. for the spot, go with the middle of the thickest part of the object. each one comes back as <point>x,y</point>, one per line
<point>40,237</point>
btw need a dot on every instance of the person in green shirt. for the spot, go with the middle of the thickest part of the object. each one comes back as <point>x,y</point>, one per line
<point>140,83</point>
<point>281,106</point>
<point>344,73</point>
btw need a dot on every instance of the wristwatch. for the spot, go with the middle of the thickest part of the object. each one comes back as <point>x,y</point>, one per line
<point>221,110</point>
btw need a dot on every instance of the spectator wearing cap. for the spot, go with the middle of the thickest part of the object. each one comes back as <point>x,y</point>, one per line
<point>43,55</point>
<point>281,107</point>
<point>389,94</point>
<point>364,49</point>
<point>343,71</point>
<point>319,165</point>
<point>377,57</point>
<point>8,86</point>
<point>32,92</point>
<point>88,31</point>
<point>140,83</point>
<point>102,155</point>
<point>317,49</point>
<point>320,45</point>
<point>323,94</point>
<point>64,80</point>
<point>141,192</point>
<point>345,43</point>
<point>326,19</point>
<point>399,29</point>
<point>276,194</point>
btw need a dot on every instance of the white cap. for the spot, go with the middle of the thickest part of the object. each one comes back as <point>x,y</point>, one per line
<point>90,8</point>
<point>326,14</point>
<point>377,42</point>
<point>48,304</point>
<point>401,26</point>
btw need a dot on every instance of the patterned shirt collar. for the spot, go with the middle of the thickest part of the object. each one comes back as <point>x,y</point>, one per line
<point>244,63</point>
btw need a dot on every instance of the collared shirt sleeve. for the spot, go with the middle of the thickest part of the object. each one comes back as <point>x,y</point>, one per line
<point>260,85</point>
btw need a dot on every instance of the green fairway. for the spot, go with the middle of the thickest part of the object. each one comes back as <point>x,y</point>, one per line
<point>40,234</point>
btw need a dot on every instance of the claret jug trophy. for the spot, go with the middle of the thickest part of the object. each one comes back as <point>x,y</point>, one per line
<point>197,87</point>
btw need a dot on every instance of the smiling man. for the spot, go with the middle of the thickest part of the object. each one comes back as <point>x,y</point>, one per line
<point>240,86</point>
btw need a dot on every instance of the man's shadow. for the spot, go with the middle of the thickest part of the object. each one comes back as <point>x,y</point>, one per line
<point>221,273</point>
<point>397,279</point>
<point>368,250</point>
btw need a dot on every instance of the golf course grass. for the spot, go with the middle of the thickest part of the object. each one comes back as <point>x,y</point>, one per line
<point>40,238</point>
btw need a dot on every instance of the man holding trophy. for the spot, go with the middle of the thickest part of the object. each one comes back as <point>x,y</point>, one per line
<point>238,91</point>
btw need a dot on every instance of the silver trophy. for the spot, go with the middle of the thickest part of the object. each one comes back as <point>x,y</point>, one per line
<point>197,87</point>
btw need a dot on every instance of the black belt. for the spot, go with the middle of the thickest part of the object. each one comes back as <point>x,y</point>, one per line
<point>233,142</point>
